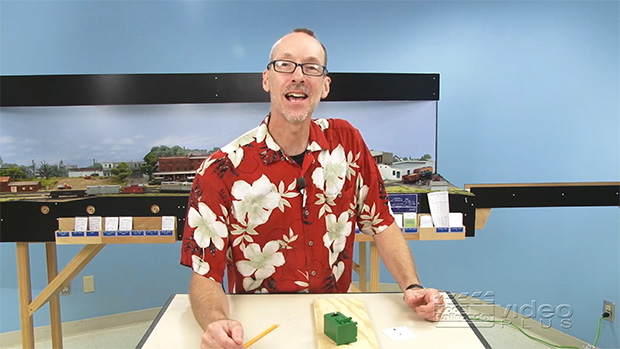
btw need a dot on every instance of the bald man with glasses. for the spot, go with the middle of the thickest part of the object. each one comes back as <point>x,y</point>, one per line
<point>276,209</point>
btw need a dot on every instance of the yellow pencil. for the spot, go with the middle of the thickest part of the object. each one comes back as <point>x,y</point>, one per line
<point>261,335</point>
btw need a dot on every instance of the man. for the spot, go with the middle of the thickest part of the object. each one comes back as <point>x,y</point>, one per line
<point>277,208</point>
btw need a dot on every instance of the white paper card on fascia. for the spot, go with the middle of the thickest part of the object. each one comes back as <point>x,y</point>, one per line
<point>81,224</point>
<point>410,219</point>
<point>440,208</point>
<point>399,333</point>
<point>111,223</point>
<point>398,219</point>
<point>456,219</point>
<point>426,221</point>
<point>167,222</point>
<point>94,223</point>
<point>125,223</point>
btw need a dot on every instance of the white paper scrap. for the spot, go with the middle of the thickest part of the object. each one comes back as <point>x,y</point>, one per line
<point>399,333</point>
<point>80,223</point>
<point>111,223</point>
<point>426,221</point>
<point>167,222</point>
<point>125,223</point>
<point>94,223</point>
<point>439,204</point>
<point>409,219</point>
<point>398,219</point>
<point>456,219</point>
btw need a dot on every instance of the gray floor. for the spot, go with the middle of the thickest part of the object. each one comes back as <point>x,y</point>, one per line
<point>110,338</point>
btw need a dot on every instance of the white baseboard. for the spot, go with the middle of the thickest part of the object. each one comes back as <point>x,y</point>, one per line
<point>72,328</point>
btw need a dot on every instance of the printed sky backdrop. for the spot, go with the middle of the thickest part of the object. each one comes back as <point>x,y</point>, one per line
<point>77,135</point>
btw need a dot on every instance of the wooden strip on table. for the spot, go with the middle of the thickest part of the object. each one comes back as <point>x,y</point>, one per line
<point>351,307</point>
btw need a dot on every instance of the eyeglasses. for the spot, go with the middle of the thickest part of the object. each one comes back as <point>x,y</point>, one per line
<point>310,69</point>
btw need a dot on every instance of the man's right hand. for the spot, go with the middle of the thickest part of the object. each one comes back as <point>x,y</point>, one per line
<point>223,334</point>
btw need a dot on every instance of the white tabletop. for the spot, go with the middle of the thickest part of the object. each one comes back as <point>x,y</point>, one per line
<point>175,327</point>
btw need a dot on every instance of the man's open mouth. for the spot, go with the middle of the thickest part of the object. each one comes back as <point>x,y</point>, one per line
<point>295,96</point>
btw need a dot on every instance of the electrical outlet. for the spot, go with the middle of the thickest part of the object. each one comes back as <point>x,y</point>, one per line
<point>611,309</point>
<point>88,283</point>
<point>66,290</point>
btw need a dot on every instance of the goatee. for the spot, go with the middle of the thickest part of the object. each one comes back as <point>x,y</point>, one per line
<point>296,117</point>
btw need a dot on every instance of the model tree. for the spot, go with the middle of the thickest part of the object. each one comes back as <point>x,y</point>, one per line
<point>46,170</point>
<point>15,172</point>
<point>121,171</point>
<point>150,164</point>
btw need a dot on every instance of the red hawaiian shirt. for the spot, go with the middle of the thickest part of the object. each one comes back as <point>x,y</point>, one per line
<point>279,227</point>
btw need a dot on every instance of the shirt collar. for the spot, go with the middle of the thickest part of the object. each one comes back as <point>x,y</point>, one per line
<point>271,151</point>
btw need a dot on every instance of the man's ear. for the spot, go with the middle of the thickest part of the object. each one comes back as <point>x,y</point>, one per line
<point>326,83</point>
<point>266,81</point>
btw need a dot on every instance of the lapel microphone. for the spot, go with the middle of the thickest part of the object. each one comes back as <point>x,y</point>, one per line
<point>301,183</point>
<point>301,186</point>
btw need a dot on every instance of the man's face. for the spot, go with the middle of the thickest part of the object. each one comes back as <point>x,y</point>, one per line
<point>295,95</point>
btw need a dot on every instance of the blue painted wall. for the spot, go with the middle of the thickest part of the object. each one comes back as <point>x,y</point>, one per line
<point>529,93</point>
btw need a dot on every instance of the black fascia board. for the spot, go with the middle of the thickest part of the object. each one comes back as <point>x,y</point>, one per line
<point>122,89</point>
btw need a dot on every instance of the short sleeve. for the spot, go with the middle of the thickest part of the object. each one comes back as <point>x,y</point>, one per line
<point>205,235</point>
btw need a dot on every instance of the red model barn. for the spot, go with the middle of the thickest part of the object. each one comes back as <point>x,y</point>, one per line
<point>4,184</point>
<point>25,186</point>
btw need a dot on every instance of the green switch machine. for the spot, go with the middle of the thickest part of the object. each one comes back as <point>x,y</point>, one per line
<point>339,328</point>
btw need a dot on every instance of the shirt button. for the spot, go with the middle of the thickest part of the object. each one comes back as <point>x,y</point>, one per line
<point>306,213</point>
<point>313,273</point>
<point>310,243</point>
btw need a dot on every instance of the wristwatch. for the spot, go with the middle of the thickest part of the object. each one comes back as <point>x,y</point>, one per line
<point>412,286</point>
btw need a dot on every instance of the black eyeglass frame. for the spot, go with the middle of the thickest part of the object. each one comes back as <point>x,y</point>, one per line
<point>301,65</point>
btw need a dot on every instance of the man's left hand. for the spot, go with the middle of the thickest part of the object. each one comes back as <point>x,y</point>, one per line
<point>427,302</point>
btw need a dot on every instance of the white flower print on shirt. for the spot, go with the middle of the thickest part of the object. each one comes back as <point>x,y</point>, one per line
<point>263,134</point>
<point>330,176</point>
<point>205,164</point>
<point>337,231</point>
<point>338,269</point>
<point>362,193</point>
<point>370,220</point>
<point>352,162</point>
<point>250,283</point>
<point>259,263</point>
<point>254,203</point>
<point>285,194</point>
<point>286,240</point>
<point>325,202</point>
<point>208,228</point>
<point>305,283</point>
<point>322,123</point>
<point>243,234</point>
<point>199,265</point>
<point>234,149</point>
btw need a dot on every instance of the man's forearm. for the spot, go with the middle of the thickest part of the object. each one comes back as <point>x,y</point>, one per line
<point>208,300</point>
<point>394,251</point>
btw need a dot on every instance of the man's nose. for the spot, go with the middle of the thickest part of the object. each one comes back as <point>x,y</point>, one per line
<point>298,74</point>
